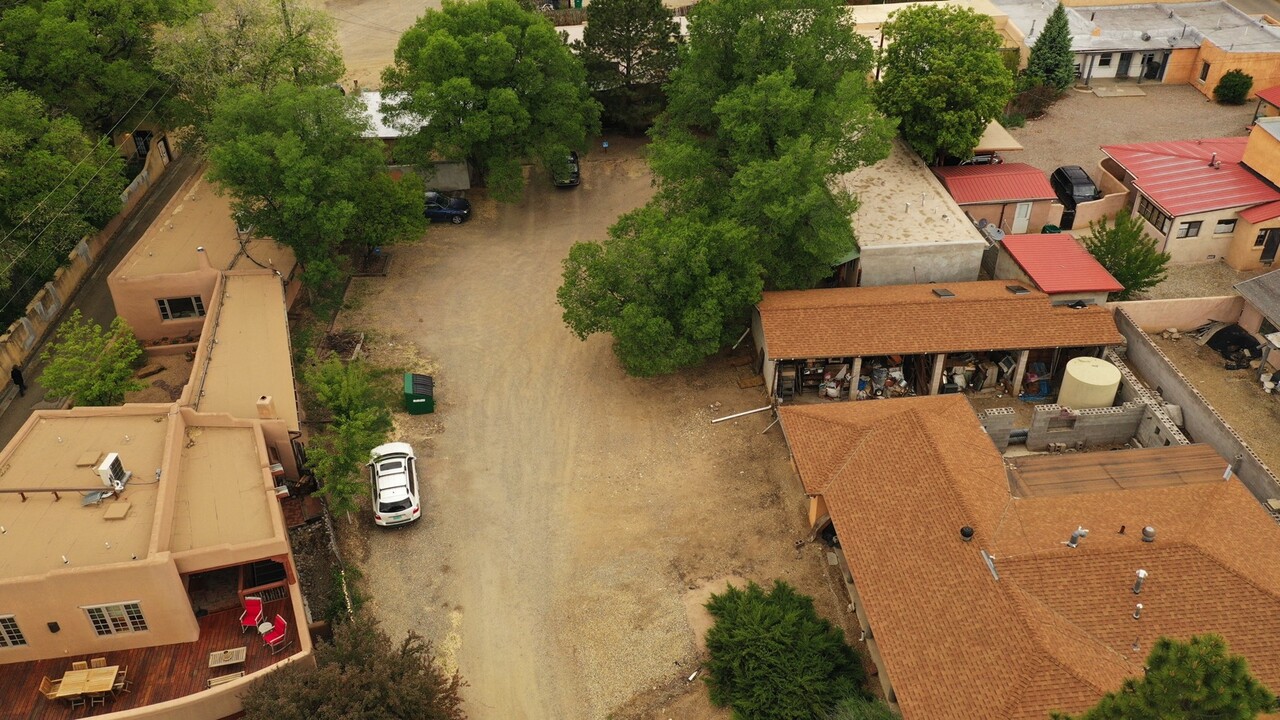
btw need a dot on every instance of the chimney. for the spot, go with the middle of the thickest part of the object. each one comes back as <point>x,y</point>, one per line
<point>1137,612</point>
<point>1137,585</point>
<point>1080,532</point>
<point>1148,534</point>
<point>267,408</point>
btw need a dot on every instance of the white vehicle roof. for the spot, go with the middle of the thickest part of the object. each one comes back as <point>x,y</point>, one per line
<point>392,448</point>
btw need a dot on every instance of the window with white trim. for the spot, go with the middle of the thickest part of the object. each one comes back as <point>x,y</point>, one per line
<point>1189,229</point>
<point>1104,60</point>
<point>10,634</point>
<point>182,307</point>
<point>1154,215</point>
<point>116,619</point>
<point>1224,227</point>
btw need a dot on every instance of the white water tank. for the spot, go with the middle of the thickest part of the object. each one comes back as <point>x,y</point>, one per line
<point>1089,383</point>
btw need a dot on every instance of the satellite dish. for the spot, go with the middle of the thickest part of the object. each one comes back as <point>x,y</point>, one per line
<point>983,223</point>
<point>995,233</point>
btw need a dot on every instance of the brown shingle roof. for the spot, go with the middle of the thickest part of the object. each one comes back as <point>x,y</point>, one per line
<point>1056,630</point>
<point>911,319</point>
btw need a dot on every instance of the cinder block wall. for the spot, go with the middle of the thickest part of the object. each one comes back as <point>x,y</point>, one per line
<point>1157,428</point>
<point>1093,426</point>
<point>998,422</point>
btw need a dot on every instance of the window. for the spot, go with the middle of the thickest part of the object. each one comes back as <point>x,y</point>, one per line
<point>1153,215</point>
<point>1204,72</point>
<point>1224,227</point>
<point>1104,60</point>
<point>184,307</point>
<point>10,635</point>
<point>116,619</point>
<point>1189,229</point>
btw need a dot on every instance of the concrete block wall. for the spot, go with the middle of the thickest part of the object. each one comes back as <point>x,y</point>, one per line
<point>998,422</point>
<point>1156,429</point>
<point>1200,420</point>
<point>1093,426</point>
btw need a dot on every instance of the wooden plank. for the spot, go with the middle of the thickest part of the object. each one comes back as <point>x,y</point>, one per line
<point>1059,474</point>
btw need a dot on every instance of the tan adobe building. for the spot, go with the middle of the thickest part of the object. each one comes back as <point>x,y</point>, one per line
<point>163,287</point>
<point>973,603</point>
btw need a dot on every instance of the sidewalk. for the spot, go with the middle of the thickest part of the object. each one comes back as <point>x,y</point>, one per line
<point>93,298</point>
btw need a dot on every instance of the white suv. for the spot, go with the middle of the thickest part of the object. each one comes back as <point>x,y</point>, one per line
<point>394,478</point>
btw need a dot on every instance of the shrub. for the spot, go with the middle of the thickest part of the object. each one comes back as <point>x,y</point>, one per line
<point>1233,88</point>
<point>774,658</point>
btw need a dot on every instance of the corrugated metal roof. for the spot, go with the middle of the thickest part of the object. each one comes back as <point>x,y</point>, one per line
<point>1010,182</point>
<point>1271,95</point>
<point>1258,213</point>
<point>1263,292</point>
<point>1178,175</point>
<point>1058,264</point>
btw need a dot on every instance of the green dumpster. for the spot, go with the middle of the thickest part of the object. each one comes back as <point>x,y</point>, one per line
<point>419,394</point>
<point>1050,229</point>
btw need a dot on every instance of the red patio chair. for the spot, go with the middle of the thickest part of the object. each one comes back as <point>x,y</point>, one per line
<point>252,614</point>
<point>276,638</point>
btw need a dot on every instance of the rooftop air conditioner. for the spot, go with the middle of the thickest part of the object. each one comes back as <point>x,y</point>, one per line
<point>112,472</point>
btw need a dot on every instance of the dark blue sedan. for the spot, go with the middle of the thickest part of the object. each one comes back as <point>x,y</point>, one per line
<point>442,208</point>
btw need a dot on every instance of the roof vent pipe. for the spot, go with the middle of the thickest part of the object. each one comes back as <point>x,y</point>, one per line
<point>1137,585</point>
<point>1080,532</point>
<point>966,533</point>
<point>1148,534</point>
<point>1137,612</point>
<point>1213,160</point>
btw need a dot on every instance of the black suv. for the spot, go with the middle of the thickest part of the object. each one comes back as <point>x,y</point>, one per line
<point>1072,186</point>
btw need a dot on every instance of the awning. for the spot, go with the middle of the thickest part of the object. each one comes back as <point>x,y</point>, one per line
<point>996,139</point>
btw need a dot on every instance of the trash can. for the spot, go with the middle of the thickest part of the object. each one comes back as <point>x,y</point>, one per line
<point>419,394</point>
<point>1050,229</point>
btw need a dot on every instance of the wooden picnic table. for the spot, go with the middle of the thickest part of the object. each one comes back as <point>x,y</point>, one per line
<point>93,680</point>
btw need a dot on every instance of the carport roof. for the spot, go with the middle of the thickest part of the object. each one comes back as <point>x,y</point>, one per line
<point>1179,177</point>
<point>1263,292</point>
<point>1057,263</point>
<point>1010,182</point>
<point>1042,627</point>
<point>914,319</point>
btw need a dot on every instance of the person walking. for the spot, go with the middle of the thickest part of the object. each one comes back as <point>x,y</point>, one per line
<point>16,374</point>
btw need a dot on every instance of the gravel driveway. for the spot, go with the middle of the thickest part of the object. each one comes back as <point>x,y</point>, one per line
<point>570,510</point>
<point>1078,124</point>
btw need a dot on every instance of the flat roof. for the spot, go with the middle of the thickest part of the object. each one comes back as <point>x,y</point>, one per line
<point>1007,182</point>
<point>1058,263</point>
<point>1051,627</point>
<point>56,449</point>
<point>197,216</point>
<point>913,319</point>
<point>1179,177</point>
<point>900,202</point>
<point>222,490</point>
<point>248,352</point>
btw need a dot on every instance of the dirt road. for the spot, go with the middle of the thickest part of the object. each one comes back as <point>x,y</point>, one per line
<point>570,510</point>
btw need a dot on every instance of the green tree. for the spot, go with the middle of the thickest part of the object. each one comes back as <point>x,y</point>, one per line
<point>89,365</point>
<point>1233,88</point>
<point>89,58</point>
<point>361,675</point>
<point>671,289</point>
<point>245,43</point>
<point>773,657</point>
<point>360,422</point>
<point>497,85</point>
<point>299,170</point>
<point>56,186</point>
<point>860,708</point>
<point>1195,680</point>
<point>1052,62</point>
<point>942,78</point>
<point>629,49</point>
<point>1127,253</point>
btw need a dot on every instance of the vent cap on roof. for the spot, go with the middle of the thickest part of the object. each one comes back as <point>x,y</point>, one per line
<point>966,533</point>
<point>1017,289</point>
<point>943,293</point>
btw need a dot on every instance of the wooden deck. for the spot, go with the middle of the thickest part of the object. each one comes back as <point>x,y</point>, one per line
<point>159,673</point>
<point>1070,473</point>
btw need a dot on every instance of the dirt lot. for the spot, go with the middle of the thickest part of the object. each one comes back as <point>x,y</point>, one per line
<point>1075,127</point>
<point>1205,279</point>
<point>1235,394</point>
<point>570,510</point>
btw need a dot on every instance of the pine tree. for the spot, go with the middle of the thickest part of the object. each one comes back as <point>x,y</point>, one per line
<point>1052,63</point>
<point>1127,253</point>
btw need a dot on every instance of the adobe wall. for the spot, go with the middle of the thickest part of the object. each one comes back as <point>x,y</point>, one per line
<point>1182,313</point>
<point>1201,422</point>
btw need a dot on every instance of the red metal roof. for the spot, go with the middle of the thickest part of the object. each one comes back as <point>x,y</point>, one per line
<point>1178,175</point>
<point>1258,213</point>
<point>1058,264</point>
<point>1010,182</point>
<point>1270,95</point>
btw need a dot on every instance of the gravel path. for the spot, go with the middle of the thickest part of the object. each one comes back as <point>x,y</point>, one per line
<point>1076,126</point>
<point>1207,279</point>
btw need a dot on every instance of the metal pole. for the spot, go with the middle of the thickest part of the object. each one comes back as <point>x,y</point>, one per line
<point>738,415</point>
<point>744,337</point>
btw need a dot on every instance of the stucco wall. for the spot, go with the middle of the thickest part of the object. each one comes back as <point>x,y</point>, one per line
<point>1242,254</point>
<point>1208,245</point>
<point>921,263</point>
<point>1043,212</point>
<point>1262,151</point>
<point>1182,313</point>
<point>1107,206</point>
<point>135,301</point>
<point>1263,66</point>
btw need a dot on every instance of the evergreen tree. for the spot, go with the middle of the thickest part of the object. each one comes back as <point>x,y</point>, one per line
<point>1052,62</point>
<point>1195,680</point>
<point>629,48</point>
<point>1127,253</point>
